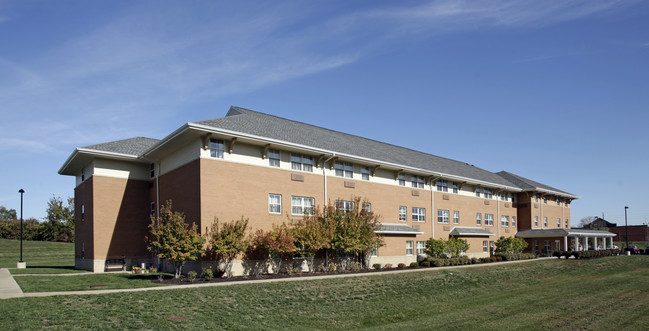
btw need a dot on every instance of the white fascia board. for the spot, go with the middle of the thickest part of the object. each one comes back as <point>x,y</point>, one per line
<point>398,232</point>
<point>542,190</point>
<point>94,152</point>
<point>352,157</point>
<point>166,139</point>
<point>590,234</point>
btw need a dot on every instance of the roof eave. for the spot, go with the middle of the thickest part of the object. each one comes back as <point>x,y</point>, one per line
<point>93,153</point>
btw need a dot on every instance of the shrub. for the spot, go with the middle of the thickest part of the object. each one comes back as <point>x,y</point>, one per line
<point>387,266</point>
<point>191,276</point>
<point>485,260</point>
<point>376,266</point>
<point>557,254</point>
<point>208,274</point>
<point>474,260</point>
<point>425,264</point>
<point>401,265</point>
<point>414,265</point>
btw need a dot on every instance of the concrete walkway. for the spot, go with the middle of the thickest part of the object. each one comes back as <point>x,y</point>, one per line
<point>6,281</point>
<point>8,286</point>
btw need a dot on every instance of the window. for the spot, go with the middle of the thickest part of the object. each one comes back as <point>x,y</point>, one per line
<point>302,205</point>
<point>547,245</point>
<point>402,213</point>
<point>566,225</point>
<point>418,214</point>
<point>536,245</point>
<point>455,188</point>
<point>83,212</point>
<point>365,173</point>
<point>442,186</point>
<point>545,222</point>
<point>367,207</point>
<point>487,193</point>
<point>275,203</point>
<point>456,217</point>
<point>504,221</point>
<point>545,200</point>
<point>344,169</point>
<point>409,248</point>
<point>417,182</point>
<point>152,208</point>
<point>536,199</point>
<point>513,221</point>
<point>489,219</point>
<point>442,216</point>
<point>217,148</point>
<point>558,222</point>
<point>273,158</point>
<point>83,174</point>
<point>477,192</point>
<point>536,221</point>
<point>301,162</point>
<point>152,170</point>
<point>421,248</point>
<point>558,202</point>
<point>374,251</point>
<point>504,196</point>
<point>478,219</point>
<point>557,245</point>
<point>513,198</point>
<point>492,244</point>
<point>343,205</point>
<point>402,179</point>
<point>485,246</point>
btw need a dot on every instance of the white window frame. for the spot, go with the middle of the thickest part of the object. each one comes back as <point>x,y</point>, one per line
<point>478,219</point>
<point>272,203</point>
<point>403,213</point>
<point>566,225</point>
<point>152,170</point>
<point>545,222</point>
<point>477,192</point>
<point>536,221</point>
<point>513,221</point>
<point>485,245</point>
<point>418,214</point>
<point>365,173</point>
<point>557,245</point>
<point>301,162</point>
<point>302,207</point>
<point>489,219</point>
<point>442,185</point>
<point>487,193</point>
<point>456,217</point>
<point>374,251</point>
<point>274,158</point>
<point>417,181</point>
<point>504,221</point>
<point>367,207</point>
<point>83,212</point>
<point>547,245</point>
<point>443,216</point>
<point>410,249</point>
<point>456,188</point>
<point>421,248</point>
<point>344,169</point>
<point>559,222</point>
<point>217,148</point>
<point>345,205</point>
<point>402,179</point>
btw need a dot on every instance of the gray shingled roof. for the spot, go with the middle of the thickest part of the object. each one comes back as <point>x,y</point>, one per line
<point>527,184</point>
<point>259,124</point>
<point>132,146</point>
<point>540,233</point>
<point>478,232</point>
<point>388,228</point>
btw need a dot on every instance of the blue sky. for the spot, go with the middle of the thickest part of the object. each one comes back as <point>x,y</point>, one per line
<point>556,91</point>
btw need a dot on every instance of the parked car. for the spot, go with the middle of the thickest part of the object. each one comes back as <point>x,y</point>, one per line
<point>633,249</point>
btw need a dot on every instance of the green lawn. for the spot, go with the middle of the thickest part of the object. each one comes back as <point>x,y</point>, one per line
<point>599,294</point>
<point>82,283</point>
<point>41,256</point>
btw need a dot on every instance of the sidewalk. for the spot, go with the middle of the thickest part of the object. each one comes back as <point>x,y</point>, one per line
<point>8,286</point>
<point>6,280</point>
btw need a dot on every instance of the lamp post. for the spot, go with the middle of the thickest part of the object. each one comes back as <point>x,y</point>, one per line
<point>626,225</point>
<point>21,264</point>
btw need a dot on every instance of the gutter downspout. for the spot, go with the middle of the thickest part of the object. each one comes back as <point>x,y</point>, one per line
<point>324,173</point>
<point>432,210</point>
<point>498,220</point>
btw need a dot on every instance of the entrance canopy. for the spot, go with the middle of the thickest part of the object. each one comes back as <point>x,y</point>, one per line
<point>470,232</point>
<point>549,233</point>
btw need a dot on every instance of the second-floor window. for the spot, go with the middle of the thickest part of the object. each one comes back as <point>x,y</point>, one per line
<point>478,219</point>
<point>418,214</point>
<point>344,169</point>
<point>504,221</point>
<point>301,162</point>
<point>545,222</point>
<point>456,217</point>
<point>275,203</point>
<point>536,221</point>
<point>489,219</point>
<point>217,148</point>
<point>403,213</point>
<point>513,221</point>
<point>346,206</point>
<point>302,205</point>
<point>442,216</point>
<point>558,222</point>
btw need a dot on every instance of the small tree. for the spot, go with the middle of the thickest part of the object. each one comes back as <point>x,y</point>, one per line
<point>227,240</point>
<point>257,252</point>
<point>59,224</point>
<point>173,239</point>
<point>280,242</point>
<point>355,231</point>
<point>457,246</point>
<point>312,234</point>
<point>510,245</point>
<point>436,248</point>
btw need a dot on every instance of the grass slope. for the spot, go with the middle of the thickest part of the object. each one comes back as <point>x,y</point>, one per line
<point>82,283</point>
<point>599,294</point>
<point>41,256</point>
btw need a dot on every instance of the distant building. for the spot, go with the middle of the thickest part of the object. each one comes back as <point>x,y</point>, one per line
<point>636,232</point>
<point>599,224</point>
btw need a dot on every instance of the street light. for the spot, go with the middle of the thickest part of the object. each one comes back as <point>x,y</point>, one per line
<point>21,227</point>
<point>626,225</point>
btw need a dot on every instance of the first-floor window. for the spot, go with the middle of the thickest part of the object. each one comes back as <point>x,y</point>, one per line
<point>345,206</point>
<point>402,213</point>
<point>478,219</point>
<point>374,251</point>
<point>504,220</point>
<point>485,247</point>
<point>536,245</point>
<point>217,148</point>
<point>547,245</point>
<point>302,206</point>
<point>489,219</point>
<point>536,221</point>
<point>421,247</point>
<point>456,217</point>
<point>558,222</point>
<point>273,158</point>
<point>418,214</point>
<point>513,221</point>
<point>367,207</point>
<point>275,203</point>
<point>409,248</point>
<point>557,245</point>
<point>442,216</point>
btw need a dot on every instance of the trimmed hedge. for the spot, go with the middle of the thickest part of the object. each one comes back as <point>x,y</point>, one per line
<point>587,254</point>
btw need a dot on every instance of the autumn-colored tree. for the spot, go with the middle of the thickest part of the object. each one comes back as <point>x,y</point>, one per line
<point>257,252</point>
<point>280,243</point>
<point>173,239</point>
<point>313,233</point>
<point>227,240</point>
